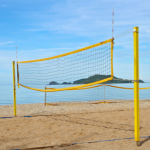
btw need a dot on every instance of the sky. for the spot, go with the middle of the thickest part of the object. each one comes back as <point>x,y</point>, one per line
<point>47,28</point>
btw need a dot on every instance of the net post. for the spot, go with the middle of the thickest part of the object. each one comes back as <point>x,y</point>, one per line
<point>14,88</point>
<point>45,97</point>
<point>18,76</point>
<point>136,86</point>
<point>112,43</point>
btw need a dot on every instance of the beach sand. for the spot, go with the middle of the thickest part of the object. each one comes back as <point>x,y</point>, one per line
<point>71,126</point>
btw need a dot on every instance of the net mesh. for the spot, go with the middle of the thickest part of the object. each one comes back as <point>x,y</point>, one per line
<point>81,67</point>
<point>98,94</point>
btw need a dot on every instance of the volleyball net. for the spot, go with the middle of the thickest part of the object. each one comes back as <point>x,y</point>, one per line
<point>83,75</point>
<point>80,69</point>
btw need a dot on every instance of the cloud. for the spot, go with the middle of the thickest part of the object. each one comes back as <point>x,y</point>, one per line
<point>86,19</point>
<point>6,43</point>
<point>148,30</point>
<point>3,5</point>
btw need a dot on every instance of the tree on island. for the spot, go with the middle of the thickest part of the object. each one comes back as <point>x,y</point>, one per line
<point>66,83</point>
<point>53,83</point>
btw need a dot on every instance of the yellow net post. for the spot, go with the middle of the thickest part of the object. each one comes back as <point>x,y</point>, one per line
<point>112,44</point>
<point>136,86</point>
<point>18,76</point>
<point>14,88</point>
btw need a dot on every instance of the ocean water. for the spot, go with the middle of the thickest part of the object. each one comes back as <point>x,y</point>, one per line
<point>23,95</point>
<point>26,96</point>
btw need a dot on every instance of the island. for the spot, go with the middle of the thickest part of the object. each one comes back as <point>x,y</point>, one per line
<point>97,77</point>
<point>53,83</point>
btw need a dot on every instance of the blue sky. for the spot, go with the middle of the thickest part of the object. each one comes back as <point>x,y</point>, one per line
<point>46,28</point>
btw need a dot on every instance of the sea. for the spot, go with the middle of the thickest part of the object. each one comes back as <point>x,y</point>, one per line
<point>26,96</point>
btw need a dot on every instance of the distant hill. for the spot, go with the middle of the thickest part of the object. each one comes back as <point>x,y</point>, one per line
<point>98,77</point>
<point>53,83</point>
<point>56,83</point>
<point>95,78</point>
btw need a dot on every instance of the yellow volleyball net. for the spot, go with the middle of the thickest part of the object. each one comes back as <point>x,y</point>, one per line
<point>76,75</point>
<point>76,70</point>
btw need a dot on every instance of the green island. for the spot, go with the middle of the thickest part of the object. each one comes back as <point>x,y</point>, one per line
<point>95,78</point>
<point>98,77</point>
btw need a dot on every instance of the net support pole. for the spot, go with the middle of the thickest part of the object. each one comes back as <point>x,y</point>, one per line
<point>18,76</point>
<point>112,44</point>
<point>14,87</point>
<point>136,86</point>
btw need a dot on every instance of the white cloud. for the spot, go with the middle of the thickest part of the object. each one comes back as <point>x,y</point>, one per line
<point>6,43</point>
<point>90,18</point>
<point>3,5</point>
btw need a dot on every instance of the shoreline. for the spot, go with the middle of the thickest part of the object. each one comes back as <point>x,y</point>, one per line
<point>65,107</point>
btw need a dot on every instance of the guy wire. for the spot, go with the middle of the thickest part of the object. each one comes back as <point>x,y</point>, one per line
<point>124,33</point>
<point>113,23</point>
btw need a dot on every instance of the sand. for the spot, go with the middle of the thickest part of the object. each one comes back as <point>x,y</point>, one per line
<point>71,126</point>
